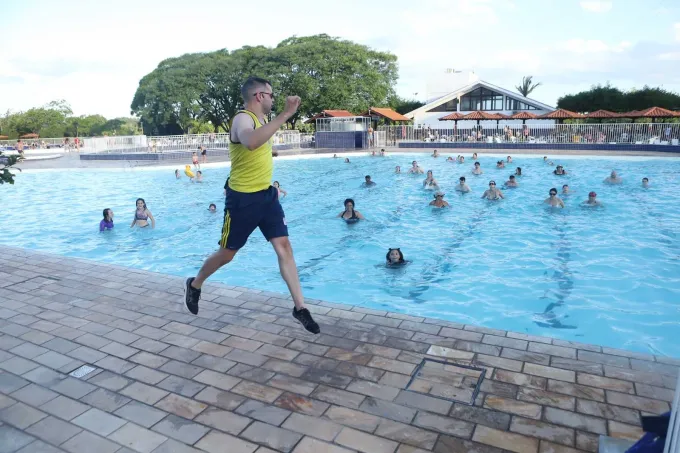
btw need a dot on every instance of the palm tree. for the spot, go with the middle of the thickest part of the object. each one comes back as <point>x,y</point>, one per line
<point>527,87</point>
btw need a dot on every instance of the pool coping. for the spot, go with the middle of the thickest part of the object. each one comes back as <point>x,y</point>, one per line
<point>59,313</point>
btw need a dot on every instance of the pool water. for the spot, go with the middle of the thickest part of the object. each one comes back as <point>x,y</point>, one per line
<point>609,276</point>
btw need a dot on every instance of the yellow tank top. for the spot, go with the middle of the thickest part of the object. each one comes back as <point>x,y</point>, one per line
<point>251,171</point>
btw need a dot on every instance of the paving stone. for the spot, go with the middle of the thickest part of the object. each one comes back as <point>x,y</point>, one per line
<point>13,439</point>
<point>513,407</point>
<point>5,401</point>
<point>281,366</point>
<point>64,407</point>
<point>291,384</point>
<point>608,411</point>
<point>559,351</point>
<point>449,353</point>
<point>213,349</point>
<point>498,362</point>
<point>637,402</point>
<point>461,334</point>
<point>634,375</point>
<point>587,441</point>
<point>214,442</point>
<point>542,430</point>
<point>181,354</point>
<point>218,398</point>
<point>407,434</point>
<point>498,388</point>
<point>53,430</point>
<point>505,342</point>
<point>29,351</point>
<point>146,375</point>
<point>140,414</point>
<point>258,375</point>
<point>10,383</point>
<point>575,420</point>
<point>623,431</point>
<point>447,444</point>
<point>273,437</point>
<point>172,446</point>
<point>21,415</point>
<point>149,360</point>
<point>392,365</point>
<point>545,398</point>
<point>263,412</point>
<point>18,365</point>
<point>115,364</point>
<point>249,358</point>
<point>309,445</point>
<point>352,418</point>
<point>105,400</point>
<point>181,429</point>
<point>505,440</point>
<point>577,365</point>
<point>121,336</point>
<point>75,388</point>
<point>86,354</point>
<point>389,410</point>
<point>326,377</point>
<point>382,392</point>
<point>605,383</point>
<point>149,345</point>
<point>214,363</point>
<point>181,386</point>
<point>181,369</point>
<point>312,426</point>
<point>181,406</point>
<point>302,404</point>
<point>60,345</point>
<point>523,380</point>
<point>316,362</point>
<point>604,359</point>
<point>144,393</point>
<point>656,393</point>
<point>86,441</point>
<point>34,395</point>
<point>119,350</point>
<point>99,422</point>
<point>93,341</point>
<point>109,381</point>
<point>549,372</point>
<point>577,390</point>
<point>531,357</point>
<point>441,424</point>
<point>137,438</point>
<point>418,401</point>
<point>549,447</point>
<point>361,372</point>
<point>486,417</point>
<point>365,443</point>
<point>39,447</point>
<point>223,420</point>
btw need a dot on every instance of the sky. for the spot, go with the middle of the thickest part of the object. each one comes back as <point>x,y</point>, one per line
<point>93,54</point>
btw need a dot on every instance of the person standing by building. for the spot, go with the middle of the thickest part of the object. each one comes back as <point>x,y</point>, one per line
<point>251,200</point>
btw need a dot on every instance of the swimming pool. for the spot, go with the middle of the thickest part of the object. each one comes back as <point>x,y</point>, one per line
<point>608,276</point>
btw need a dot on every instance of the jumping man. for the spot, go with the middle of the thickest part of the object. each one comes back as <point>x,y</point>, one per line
<point>251,201</point>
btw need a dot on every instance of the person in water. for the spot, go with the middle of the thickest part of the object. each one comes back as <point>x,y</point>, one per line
<point>500,164</point>
<point>349,214</point>
<point>565,189</point>
<point>509,159</point>
<point>462,186</point>
<point>474,156</point>
<point>559,170</point>
<point>279,189</point>
<point>477,170</point>
<point>435,154</point>
<point>177,175</point>
<point>395,257</point>
<point>492,193</point>
<point>335,156</point>
<point>382,152</point>
<point>368,182</point>
<point>511,182</point>
<point>545,159</point>
<point>397,170</point>
<point>212,208</point>
<point>107,221</point>
<point>438,201</point>
<point>645,183</point>
<point>199,176</point>
<point>518,171</point>
<point>346,160</point>
<point>415,168</point>
<point>142,215</point>
<point>592,200</point>
<point>613,178</point>
<point>450,158</point>
<point>461,160</point>
<point>429,182</point>
<point>553,200</point>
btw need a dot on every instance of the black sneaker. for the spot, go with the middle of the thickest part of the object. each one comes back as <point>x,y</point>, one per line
<point>191,296</point>
<point>305,318</point>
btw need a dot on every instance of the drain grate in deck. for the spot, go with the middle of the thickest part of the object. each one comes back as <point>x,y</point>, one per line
<point>82,371</point>
<point>448,381</point>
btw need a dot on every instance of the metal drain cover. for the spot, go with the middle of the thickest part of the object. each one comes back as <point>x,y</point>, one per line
<point>448,381</point>
<point>82,371</point>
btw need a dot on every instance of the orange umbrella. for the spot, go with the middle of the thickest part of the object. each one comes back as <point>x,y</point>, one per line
<point>602,114</point>
<point>31,135</point>
<point>524,116</point>
<point>561,115</point>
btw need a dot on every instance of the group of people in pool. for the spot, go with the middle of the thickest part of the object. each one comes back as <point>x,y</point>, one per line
<point>142,219</point>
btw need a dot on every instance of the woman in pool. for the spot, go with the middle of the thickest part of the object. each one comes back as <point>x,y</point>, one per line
<point>107,221</point>
<point>645,183</point>
<point>477,170</point>
<point>278,187</point>
<point>415,168</point>
<point>492,193</point>
<point>212,208</point>
<point>553,200</point>
<point>518,171</point>
<point>199,176</point>
<point>438,201</point>
<point>559,170</point>
<point>509,159</point>
<point>142,215</point>
<point>394,257</point>
<point>450,159</point>
<point>430,183</point>
<point>592,200</point>
<point>500,164</point>
<point>461,160</point>
<point>177,175</point>
<point>349,215</point>
<point>474,156</point>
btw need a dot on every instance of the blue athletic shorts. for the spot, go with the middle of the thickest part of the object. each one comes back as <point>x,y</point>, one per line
<point>243,212</point>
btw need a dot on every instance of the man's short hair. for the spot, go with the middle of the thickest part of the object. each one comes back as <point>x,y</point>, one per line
<point>250,85</point>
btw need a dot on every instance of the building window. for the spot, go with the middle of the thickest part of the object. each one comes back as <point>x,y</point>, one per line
<point>514,104</point>
<point>481,99</point>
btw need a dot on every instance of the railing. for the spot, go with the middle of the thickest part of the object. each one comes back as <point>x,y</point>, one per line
<point>605,133</point>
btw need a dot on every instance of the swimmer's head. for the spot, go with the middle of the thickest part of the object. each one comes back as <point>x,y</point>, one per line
<point>519,170</point>
<point>476,164</point>
<point>394,256</point>
<point>429,173</point>
<point>346,160</point>
<point>553,192</point>
<point>212,207</point>
<point>613,174</point>
<point>200,172</point>
<point>194,153</point>
<point>397,168</point>
<point>108,214</point>
<point>512,177</point>
<point>439,194</point>
<point>176,172</point>
<point>451,158</point>
<point>492,183</point>
<point>509,158</point>
<point>276,184</point>
<point>645,181</point>
<point>435,151</point>
<point>335,155</point>
<point>462,158</point>
<point>592,195</point>
<point>349,203</point>
<point>140,203</point>
<point>414,163</point>
<point>367,178</point>
<point>545,158</point>
<point>462,179</point>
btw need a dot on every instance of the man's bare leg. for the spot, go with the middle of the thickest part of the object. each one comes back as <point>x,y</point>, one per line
<point>213,264</point>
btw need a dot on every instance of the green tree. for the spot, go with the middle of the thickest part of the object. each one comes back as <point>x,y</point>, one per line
<point>403,106</point>
<point>609,98</point>
<point>6,163</point>
<point>526,87</point>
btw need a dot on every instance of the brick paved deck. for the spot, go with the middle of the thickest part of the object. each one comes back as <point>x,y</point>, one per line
<point>243,376</point>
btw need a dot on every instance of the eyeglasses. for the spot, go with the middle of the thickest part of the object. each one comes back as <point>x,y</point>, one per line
<point>492,183</point>
<point>553,193</point>
<point>271,95</point>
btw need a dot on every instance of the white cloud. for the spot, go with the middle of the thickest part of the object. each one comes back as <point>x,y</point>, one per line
<point>676,27</point>
<point>596,6</point>
<point>669,56</point>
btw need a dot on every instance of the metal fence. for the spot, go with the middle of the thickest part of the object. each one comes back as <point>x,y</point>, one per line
<point>605,133</point>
